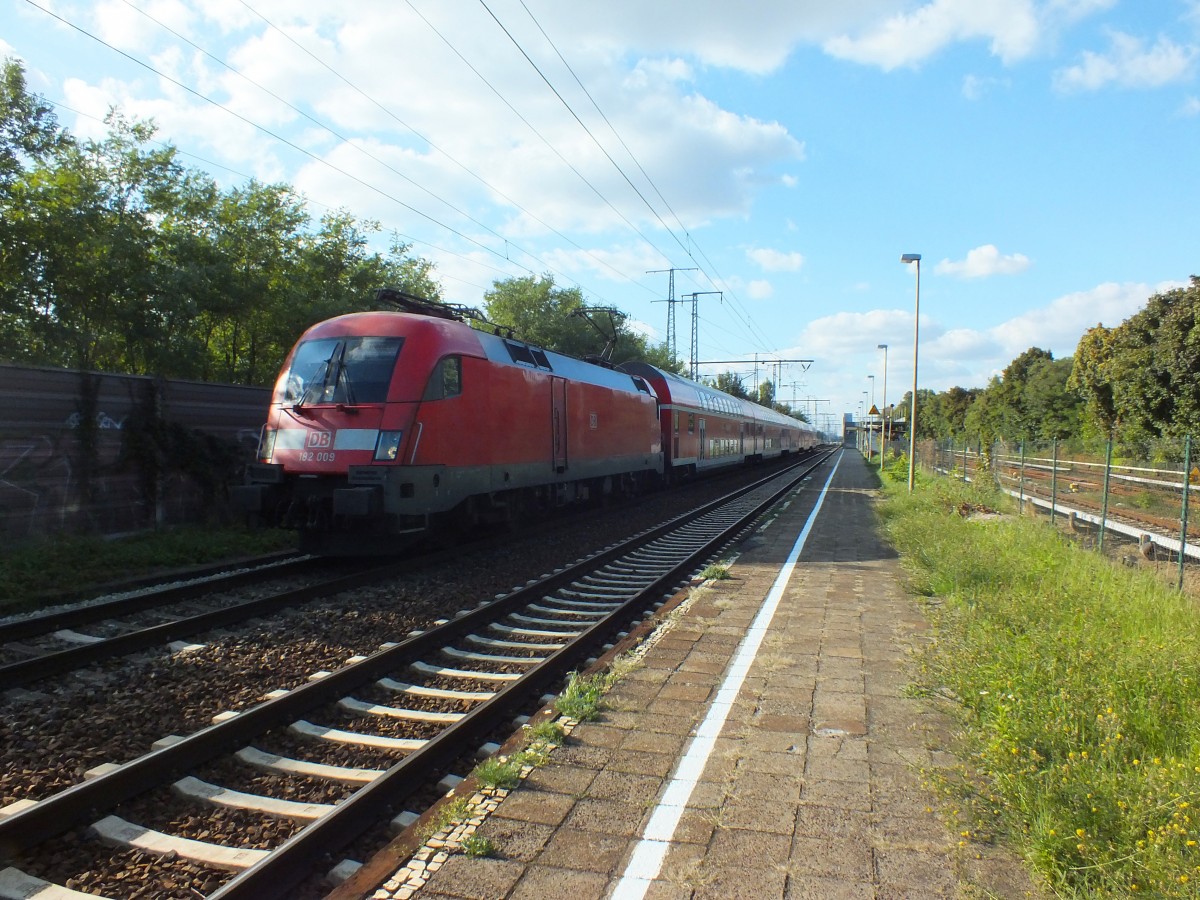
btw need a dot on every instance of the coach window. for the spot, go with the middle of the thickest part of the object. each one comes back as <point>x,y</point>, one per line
<point>676,417</point>
<point>691,423</point>
<point>445,380</point>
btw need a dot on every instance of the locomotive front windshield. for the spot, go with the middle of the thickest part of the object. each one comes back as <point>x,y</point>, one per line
<point>346,370</point>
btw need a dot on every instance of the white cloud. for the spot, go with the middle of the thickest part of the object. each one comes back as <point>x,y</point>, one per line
<point>711,163</point>
<point>1078,9</point>
<point>983,262</point>
<point>843,333</point>
<point>843,344</point>
<point>759,289</point>
<point>1191,107</point>
<point>609,263</point>
<point>974,87</point>
<point>1129,63</point>
<point>909,38</point>
<point>1058,326</point>
<point>753,37</point>
<point>775,260</point>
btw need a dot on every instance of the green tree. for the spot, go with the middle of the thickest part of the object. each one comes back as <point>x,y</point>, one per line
<point>540,312</point>
<point>728,383</point>
<point>954,404</point>
<point>1091,378</point>
<point>79,250</point>
<point>1143,373</point>
<point>29,130</point>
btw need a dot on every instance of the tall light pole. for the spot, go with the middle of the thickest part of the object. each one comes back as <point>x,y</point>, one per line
<point>871,420</point>
<point>912,408</point>
<point>882,438</point>
<point>864,443</point>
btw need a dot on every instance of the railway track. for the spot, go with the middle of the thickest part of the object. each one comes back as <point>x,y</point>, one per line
<point>146,615</point>
<point>1078,492</point>
<point>50,644</point>
<point>396,719</point>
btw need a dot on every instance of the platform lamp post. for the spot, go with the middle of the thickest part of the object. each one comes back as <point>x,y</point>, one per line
<point>865,443</point>
<point>882,437</point>
<point>871,420</point>
<point>912,409</point>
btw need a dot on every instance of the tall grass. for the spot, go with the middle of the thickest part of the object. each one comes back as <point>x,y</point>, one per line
<point>65,563</point>
<point>1079,684</point>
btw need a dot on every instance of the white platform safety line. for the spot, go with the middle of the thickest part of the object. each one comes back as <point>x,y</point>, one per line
<point>646,862</point>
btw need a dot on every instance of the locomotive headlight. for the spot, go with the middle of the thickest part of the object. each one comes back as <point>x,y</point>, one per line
<point>387,448</point>
<point>266,444</point>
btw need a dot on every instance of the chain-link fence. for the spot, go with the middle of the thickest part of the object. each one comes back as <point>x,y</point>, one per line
<point>1148,495</point>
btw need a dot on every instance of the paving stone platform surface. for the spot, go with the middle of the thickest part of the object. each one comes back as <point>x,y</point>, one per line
<point>814,788</point>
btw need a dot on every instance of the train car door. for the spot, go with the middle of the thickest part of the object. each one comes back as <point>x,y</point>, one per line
<point>558,423</point>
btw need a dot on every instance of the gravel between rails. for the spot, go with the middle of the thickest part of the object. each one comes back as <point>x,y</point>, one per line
<point>113,713</point>
<point>52,735</point>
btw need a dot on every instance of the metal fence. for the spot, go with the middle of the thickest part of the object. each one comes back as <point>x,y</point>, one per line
<point>1147,496</point>
<point>101,453</point>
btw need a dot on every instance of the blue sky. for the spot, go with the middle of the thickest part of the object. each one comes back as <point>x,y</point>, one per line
<point>1042,155</point>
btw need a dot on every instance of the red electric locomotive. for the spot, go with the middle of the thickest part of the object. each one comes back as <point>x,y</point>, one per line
<point>381,420</point>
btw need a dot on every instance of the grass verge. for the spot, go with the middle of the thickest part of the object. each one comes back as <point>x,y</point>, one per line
<point>63,564</point>
<point>1078,686</point>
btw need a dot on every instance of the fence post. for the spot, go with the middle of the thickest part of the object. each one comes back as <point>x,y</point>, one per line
<point>1187,489</point>
<point>1054,481</point>
<point>1104,502</point>
<point>1021,498</point>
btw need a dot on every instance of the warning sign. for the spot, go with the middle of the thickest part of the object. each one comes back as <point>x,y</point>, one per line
<point>874,410</point>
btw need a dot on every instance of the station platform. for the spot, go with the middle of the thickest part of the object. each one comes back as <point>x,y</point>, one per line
<point>764,748</point>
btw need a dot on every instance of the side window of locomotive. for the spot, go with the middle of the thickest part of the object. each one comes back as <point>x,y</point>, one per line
<point>445,380</point>
<point>452,375</point>
<point>691,423</point>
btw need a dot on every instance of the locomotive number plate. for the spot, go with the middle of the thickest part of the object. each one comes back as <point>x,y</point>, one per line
<point>318,456</point>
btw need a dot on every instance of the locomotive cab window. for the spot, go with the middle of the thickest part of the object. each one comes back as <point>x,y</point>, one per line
<point>347,370</point>
<point>445,380</point>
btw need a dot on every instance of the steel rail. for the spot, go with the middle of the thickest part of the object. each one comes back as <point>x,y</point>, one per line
<point>285,868</point>
<point>45,623</point>
<point>77,804</point>
<point>26,671</point>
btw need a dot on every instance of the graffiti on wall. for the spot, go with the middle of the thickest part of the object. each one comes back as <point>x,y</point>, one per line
<point>117,469</point>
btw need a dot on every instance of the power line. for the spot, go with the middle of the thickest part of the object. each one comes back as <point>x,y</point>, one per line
<point>582,125</point>
<point>284,141</point>
<point>610,125</point>
<point>540,136</point>
<point>388,112</point>
<point>747,320</point>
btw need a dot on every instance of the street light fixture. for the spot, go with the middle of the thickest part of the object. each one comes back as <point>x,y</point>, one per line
<point>912,408</point>
<point>882,438</point>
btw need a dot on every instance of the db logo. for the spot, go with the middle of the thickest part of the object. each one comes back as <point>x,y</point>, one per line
<point>319,439</point>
